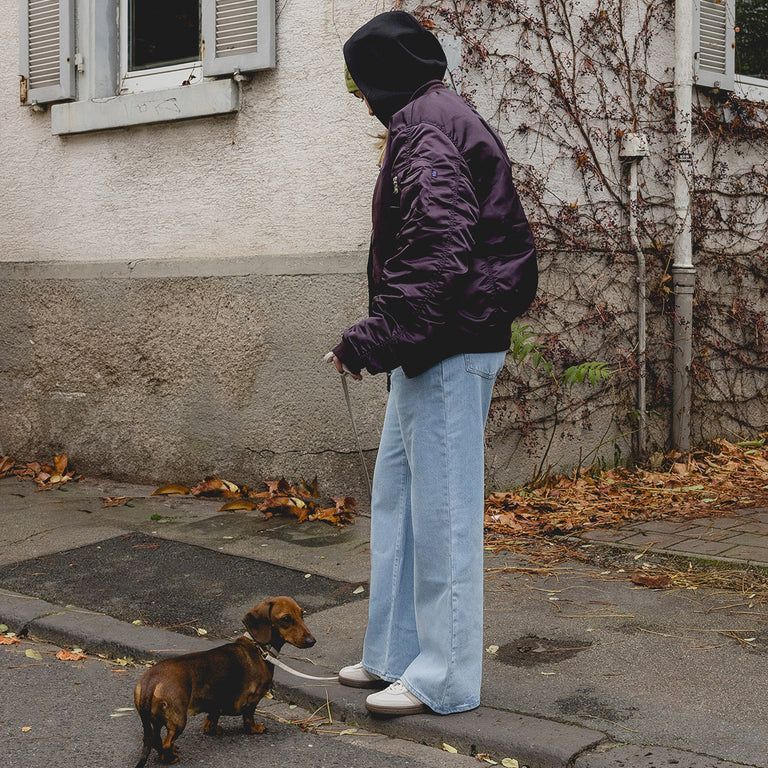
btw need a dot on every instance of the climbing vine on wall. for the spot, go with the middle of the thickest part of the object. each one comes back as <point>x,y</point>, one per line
<point>562,81</point>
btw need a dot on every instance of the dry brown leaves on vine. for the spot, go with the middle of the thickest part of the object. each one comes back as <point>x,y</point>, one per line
<point>704,483</point>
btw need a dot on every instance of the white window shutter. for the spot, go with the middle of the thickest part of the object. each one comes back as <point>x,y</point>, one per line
<point>47,50</point>
<point>714,43</point>
<point>238,35</point>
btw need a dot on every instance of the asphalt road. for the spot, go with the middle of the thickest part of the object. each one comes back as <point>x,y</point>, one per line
<point>79,714</point>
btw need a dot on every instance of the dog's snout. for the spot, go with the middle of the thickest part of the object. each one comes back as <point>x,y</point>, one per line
<point>309,641</point>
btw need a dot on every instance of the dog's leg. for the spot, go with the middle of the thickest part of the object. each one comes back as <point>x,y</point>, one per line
<point>175,726</point>
<point>249,724</point>
<point>211,725</point>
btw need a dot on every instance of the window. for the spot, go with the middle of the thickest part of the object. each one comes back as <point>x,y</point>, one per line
<point>729,46</point>
<point>752,38</point>
<point>78,55</point>
<point>159,44</point>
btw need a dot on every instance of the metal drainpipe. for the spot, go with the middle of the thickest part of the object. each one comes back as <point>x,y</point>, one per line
<point>683,271</point>
<point>641,319</point>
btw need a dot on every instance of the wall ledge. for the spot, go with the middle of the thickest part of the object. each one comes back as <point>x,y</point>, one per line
<point>211,97</point>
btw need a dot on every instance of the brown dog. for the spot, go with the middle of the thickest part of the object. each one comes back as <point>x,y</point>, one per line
<point>228,680</point>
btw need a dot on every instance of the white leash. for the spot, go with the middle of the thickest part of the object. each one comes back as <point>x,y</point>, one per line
<point>345,387</point>
<point>329,359</point>
<point>267,656</point>
<point>272,660</point>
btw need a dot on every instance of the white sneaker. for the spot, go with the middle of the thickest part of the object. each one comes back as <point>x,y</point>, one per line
<point>395,700</point>
<point>357,676</point>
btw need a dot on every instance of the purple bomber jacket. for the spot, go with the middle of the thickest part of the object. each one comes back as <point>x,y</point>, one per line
<point>452,260</point>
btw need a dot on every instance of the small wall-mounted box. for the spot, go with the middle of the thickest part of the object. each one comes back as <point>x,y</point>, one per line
<point>633,146</point>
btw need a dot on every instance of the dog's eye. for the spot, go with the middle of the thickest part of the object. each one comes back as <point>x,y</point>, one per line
<point>285,621</point>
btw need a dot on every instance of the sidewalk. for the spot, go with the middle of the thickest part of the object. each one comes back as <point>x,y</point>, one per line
<point>583,668</point>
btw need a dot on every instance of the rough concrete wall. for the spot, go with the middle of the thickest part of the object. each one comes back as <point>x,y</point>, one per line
<point>164,377</point>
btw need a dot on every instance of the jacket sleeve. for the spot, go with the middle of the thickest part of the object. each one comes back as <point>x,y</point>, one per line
<point>438,210</point>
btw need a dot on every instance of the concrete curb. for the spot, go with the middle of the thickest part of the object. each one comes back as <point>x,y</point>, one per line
<point>91,631</point>
<point>532,741</point>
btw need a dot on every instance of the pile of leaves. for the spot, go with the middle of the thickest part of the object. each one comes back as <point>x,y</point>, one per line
<point>704,483</point>
<point>45,476</point>
<point>275,497</point>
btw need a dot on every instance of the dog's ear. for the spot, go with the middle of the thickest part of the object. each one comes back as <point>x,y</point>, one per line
<point>258,622</point>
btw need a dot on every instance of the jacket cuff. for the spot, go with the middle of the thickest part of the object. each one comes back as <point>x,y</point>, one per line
<point>347,355</point>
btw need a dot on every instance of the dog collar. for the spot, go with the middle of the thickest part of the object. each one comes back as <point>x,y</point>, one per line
<point>264,648</point>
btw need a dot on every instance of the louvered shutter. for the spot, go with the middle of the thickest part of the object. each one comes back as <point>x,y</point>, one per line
<point>714,43</point>
<point>47,50</point>
<point>238,35</point>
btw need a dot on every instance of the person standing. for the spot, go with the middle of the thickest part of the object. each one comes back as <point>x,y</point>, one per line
<point>452,262</point>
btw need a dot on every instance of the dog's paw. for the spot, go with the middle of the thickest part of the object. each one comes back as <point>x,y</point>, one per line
<point>251,726</point>
<point>212,729</point>
<point>169,756</point>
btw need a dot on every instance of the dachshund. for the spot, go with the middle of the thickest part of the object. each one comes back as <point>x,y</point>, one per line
<point>228,680</point>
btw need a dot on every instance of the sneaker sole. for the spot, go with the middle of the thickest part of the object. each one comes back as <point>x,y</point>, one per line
<point>383,709</point>
<point>352,683</point>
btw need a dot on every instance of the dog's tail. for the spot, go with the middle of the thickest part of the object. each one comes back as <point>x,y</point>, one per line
<point>143,701</point>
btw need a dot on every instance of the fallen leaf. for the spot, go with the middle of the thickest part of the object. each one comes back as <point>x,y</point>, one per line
<point>652,580</point>
<point>33,654</point>
<point>70,656</point>
<point>9,641</point>
<point>6,465</point>
<point>215,486</point>
<point>201,631</point>
<point>169,489</point>
<point>285,504</point>
<point>238,504</point>
<point>60,463</point>
<point>510,762</point>
<point>26,729</point>
<point>115,501</point>
<point>449,748</point>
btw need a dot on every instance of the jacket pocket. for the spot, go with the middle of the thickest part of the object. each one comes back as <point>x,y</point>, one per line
<point>486,364</point>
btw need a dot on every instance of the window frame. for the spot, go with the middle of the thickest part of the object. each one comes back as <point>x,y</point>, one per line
<point>96,98</point>
<point>156,78</point>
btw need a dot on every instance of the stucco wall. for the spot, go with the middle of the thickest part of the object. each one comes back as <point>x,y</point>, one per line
<point>275,178</point>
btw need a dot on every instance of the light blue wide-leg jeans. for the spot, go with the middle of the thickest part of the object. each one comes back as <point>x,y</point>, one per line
<point>425,622</point>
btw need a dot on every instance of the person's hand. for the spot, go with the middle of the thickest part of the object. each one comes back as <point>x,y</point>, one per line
<point>340,367</point>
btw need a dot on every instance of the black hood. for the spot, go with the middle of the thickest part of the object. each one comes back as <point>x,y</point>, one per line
<point>390,58</point>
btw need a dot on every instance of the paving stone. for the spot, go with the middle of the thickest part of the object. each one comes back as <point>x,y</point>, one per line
<point>750,540</point>
<point>708,533</point>
<point>605,536</point>
<point>698,546</point>
<point>724,522</point>
<point>655,540</point>
<point>759,513</point>
<point>662,526</point>
<point>757,555</point>
<point>746,525</point>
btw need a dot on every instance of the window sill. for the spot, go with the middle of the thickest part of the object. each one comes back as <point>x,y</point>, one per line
<point>752,88</point>
<point>212,97</point>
